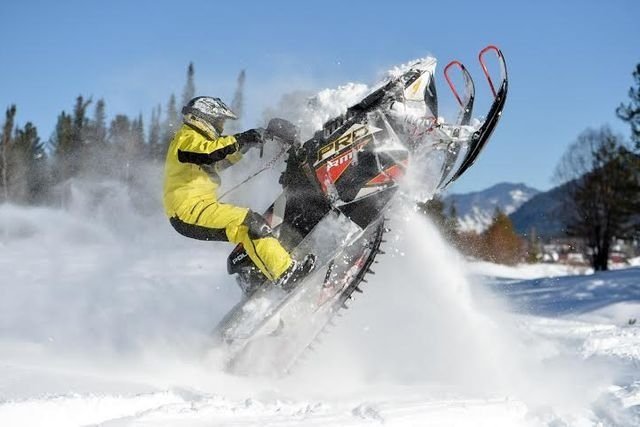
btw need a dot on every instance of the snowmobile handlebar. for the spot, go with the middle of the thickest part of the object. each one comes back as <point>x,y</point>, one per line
<point>282,130</point>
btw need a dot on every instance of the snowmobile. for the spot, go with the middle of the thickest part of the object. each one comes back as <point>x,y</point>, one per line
<point>337,187</point>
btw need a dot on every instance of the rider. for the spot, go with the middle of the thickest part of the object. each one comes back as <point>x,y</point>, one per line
<point>196,155</point>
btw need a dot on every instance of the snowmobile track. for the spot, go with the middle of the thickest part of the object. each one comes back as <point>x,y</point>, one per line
<point>341,304</point>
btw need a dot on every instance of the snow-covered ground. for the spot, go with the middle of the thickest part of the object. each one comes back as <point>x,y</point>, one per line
<point>105,315</point>
<point>525,271</point>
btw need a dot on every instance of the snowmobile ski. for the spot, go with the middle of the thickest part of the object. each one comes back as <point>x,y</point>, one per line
<point>482,135</point>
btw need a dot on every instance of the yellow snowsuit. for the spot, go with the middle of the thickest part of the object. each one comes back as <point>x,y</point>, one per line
<point>191,203</point>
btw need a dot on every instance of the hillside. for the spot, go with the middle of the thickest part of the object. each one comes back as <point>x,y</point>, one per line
<point>543,212</point>
<point>475,210</point>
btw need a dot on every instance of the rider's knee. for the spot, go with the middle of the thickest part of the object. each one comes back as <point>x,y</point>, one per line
<point>258,226</point>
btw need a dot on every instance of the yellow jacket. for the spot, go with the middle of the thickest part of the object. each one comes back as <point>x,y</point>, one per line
<point>191,167</point>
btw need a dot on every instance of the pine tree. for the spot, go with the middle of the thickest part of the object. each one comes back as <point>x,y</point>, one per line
<point>171,123</point>
<point>100,124</point>
<point>20,152</point>
<point>95,140</point>
<point>79,135</point>
<point>189,91</point>
<point>80,121</point>
<point>120,139</point>
<point>68,140</point>
<point>631,112</point>
<point>451,224</point>
<point>446,223</point>
<point>138,135</point>
<point>62,135</point>
<point>120,131</point>
<point>29,179</point>
<point>237,104</point>
<point>434,209</point>
<point>5,150</point>
<point>153,144</point>
<point>134,146</point>
<point>501,243</point>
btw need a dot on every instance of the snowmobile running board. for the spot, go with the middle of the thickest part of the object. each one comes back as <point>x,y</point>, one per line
<point>481,136</point>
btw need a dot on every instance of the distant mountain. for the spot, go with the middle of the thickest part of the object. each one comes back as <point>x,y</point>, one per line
<point>475,210</point>
<point>543,213</point>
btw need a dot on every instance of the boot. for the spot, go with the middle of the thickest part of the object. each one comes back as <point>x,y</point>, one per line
<point>296,272</point>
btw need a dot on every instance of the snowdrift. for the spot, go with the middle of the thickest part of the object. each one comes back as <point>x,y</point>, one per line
<point>113,330</point>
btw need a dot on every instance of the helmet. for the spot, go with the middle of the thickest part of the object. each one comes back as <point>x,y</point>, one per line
<point>207,114</point>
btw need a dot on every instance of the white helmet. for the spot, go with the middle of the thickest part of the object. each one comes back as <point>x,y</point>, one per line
<point>207,114</point>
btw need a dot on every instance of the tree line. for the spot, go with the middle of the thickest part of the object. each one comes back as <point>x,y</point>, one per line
<point>498,243</point>
<point>83,144</point>
<point>600,171</point>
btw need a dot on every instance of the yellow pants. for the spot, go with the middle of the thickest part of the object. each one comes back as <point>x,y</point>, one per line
<point>210,220</point>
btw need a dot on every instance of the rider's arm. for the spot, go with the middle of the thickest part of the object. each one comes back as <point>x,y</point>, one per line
<point>246,140</point>
<point>202,151</point>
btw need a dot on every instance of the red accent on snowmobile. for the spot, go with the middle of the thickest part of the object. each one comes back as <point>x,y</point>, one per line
<point>333,169</point>
<point>466,104</point>
<point>451,85</point>
<point>391,174</point>
<point>484,66</point>
<point>323,178</point>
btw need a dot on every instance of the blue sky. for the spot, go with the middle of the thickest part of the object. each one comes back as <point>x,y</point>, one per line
<point>570,62</point>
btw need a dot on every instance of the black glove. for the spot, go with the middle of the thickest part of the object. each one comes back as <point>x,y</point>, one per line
<point>250,138</point>
<point>283,129</point>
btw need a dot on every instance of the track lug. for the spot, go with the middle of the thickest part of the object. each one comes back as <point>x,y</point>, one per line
<point>357,289</point>
<point>370,271</point>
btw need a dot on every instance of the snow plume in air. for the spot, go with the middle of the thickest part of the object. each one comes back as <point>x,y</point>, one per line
<point>102,280</point>
<point>309,111</point>
<point>423,322</point>
<point>305,109</point>
<point>419,321</point>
